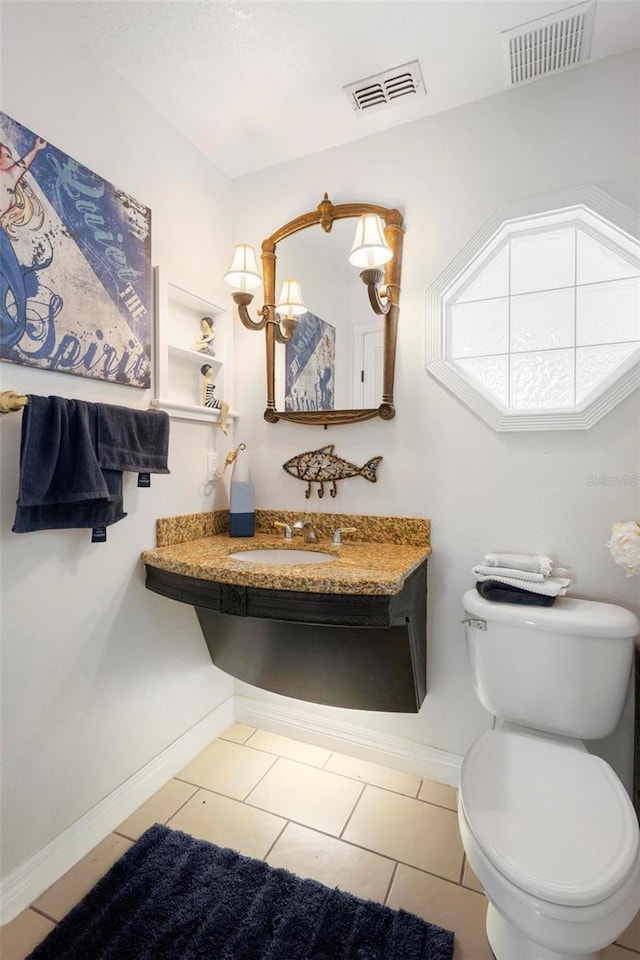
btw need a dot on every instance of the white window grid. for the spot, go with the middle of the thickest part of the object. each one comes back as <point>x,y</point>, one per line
<point>510,297</point>
<point>596,217</point>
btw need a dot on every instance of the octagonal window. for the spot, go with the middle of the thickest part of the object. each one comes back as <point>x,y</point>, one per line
<point>536,324</point>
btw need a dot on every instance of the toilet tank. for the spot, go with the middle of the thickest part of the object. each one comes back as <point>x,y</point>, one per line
<point>562,670</point>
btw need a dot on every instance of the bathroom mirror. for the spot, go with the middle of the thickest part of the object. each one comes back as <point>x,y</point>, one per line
<point>334,363</point>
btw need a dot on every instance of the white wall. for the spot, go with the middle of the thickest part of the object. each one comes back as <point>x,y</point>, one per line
<point>482,490</point>
<point>99,675</point>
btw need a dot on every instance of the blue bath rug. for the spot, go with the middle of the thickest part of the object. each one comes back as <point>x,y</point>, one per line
<point>172,897</point>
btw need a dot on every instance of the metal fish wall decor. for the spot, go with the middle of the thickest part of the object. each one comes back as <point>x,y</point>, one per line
<point>323,466</point>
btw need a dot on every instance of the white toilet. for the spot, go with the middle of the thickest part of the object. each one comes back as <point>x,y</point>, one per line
<point>547,827</point>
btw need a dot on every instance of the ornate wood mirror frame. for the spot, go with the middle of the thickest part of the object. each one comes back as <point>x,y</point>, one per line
<point>384,295</point>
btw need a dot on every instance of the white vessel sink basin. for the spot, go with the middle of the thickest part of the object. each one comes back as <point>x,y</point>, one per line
<point>280,558</point>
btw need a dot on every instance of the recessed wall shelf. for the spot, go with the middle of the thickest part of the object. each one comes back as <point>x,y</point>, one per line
<point>189,411</point>
<point>193,356</point>
<point>178,381</point>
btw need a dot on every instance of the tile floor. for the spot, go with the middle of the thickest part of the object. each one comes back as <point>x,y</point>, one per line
<point>378,833</point>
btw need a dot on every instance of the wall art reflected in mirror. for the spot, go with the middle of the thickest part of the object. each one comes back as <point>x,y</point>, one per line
<point>330,344</point>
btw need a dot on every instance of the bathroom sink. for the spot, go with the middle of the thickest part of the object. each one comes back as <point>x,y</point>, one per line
<point>278,557</point>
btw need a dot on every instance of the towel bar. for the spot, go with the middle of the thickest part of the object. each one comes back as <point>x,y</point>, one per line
<point>10,400</point>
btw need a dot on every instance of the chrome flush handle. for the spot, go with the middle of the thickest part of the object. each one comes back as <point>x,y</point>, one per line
<point>475,623</point>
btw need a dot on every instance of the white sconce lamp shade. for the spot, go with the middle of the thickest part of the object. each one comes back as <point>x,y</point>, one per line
<point>243,273</point>
<point>369,248</point>
<point>290,302</point>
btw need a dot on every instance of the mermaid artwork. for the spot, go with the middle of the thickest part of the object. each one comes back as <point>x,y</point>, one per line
<point>18,206</point>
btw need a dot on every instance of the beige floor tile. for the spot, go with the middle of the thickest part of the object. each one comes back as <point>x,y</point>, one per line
<point>439,793</point>
<point>71,888</point>
<point>292,749</point>
<point>228,823</point>
<point>469,878</point>
<point>333,862</point>
<point>404,829</point>
<point>157,808</point>
<point>617,953</point>
<point>227,768</point>
<point>312,797</point>
<point>374,773</point>
<point>238,733</point>
<point>631,937</point>
<point>448,905</point>
<point>18,938</point>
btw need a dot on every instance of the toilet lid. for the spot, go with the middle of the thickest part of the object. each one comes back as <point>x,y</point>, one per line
<point>553,819</point>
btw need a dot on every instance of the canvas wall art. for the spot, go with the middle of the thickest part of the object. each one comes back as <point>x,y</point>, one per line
<point>75,265</point>
<point>310,358</point>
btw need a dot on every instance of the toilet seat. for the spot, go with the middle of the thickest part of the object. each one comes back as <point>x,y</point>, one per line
<point>551,818</point>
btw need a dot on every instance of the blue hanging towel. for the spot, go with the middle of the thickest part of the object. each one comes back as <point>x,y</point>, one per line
<point>62,485</point>
<point>135,440</point>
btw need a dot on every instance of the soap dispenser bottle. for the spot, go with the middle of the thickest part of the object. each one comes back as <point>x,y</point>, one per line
<point>242,511</point>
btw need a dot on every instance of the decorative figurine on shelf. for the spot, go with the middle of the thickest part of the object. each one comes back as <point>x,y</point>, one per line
<point>209,398</point>
<point>323,466</point>
<point>204,343</point>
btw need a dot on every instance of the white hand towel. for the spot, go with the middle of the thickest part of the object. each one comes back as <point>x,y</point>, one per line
<point>550,587</point>
<point>508,572</point>
<point>531,562</point>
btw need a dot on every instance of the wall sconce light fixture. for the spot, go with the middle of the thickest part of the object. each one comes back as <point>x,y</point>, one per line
<point>371,251</point>
<point>243,275</point>
<point>243,272</point>
<point>290,305</point>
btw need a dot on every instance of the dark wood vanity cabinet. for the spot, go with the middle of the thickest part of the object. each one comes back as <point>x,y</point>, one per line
<point>365,652</point>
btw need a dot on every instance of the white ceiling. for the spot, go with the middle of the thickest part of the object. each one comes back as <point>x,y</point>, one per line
<point>253,84</point>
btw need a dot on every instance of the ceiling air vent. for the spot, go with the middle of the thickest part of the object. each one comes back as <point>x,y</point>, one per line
<point>384,89</point>
<point>548,45</point>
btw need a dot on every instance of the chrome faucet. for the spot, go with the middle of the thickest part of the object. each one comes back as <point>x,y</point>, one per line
<point>309,532</point>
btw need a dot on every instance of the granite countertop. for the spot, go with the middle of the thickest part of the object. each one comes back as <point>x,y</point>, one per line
<point>367,565</point>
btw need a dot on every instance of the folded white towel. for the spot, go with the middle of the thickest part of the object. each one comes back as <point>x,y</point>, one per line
<point>509,572</point>
<point>550,587</point>
<point>531,562</point>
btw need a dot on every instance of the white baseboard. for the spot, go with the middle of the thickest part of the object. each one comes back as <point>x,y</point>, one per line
<point>362,742</point>
<point>32,877</point>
